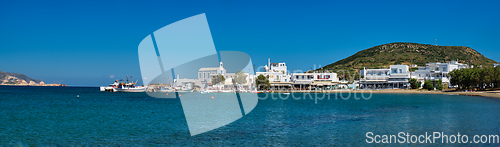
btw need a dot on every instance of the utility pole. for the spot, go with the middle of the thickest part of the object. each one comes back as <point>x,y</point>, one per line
<point>359,73</point>
<point>411,63</point>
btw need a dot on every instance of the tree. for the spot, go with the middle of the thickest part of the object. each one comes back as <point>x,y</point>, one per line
<point>428,85</point>
<point>262,82</point>
<point>414,84</point>
<point>476,77</point>
<point>439,84</point>
<point>219,79</point>
<point>240,78</point>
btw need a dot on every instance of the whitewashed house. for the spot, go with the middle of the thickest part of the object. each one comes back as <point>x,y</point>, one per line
<point>310,81</point>
<point>397,76</point>
<point>436,71</point>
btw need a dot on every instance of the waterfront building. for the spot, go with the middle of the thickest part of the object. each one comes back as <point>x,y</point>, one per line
<point>277,74</point>
<point>397,76</point>
<point>314,81</point>
<point>280,78</point>
<point>436,71</point>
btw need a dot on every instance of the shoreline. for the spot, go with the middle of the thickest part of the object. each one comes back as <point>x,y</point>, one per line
<point>40,85</point>
<point>493,94</point>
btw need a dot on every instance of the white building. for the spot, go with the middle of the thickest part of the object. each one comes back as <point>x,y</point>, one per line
<point>397,76</point>
<point>310,81</point>
<point>277,72</point>
<point>495,65</point>
<point>206,74</point>
<point>436,71</point>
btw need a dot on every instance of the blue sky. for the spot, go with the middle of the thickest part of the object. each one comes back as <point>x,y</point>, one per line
<point>85,42</point>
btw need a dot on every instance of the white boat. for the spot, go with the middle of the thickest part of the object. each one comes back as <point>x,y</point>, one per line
<point>184,88</point>
<point>128,87</point>
<point>188,90</point>
<point>226,91</point>
<point>165,90</point>
<point>286,93</point>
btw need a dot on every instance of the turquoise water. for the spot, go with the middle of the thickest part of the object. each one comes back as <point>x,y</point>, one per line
<point>56,116</point>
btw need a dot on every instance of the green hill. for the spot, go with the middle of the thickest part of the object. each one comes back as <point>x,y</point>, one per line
<point>403,53</point>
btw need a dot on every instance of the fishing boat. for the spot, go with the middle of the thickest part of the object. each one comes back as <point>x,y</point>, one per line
<point>188,87</point>
<point>128,87</point>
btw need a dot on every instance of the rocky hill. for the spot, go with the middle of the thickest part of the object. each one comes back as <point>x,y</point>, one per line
<point>405,53</point>
<point>7,78</point>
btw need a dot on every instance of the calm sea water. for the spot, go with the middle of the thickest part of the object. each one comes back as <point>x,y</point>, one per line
<point>56,116</point>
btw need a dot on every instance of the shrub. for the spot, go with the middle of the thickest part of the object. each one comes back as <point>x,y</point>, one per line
<point>428,85</point>
<point>414,84</point>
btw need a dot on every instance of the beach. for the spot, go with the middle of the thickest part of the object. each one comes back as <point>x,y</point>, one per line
<point>494,94</point>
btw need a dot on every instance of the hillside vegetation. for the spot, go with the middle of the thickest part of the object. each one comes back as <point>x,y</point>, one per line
<point>403,53</point>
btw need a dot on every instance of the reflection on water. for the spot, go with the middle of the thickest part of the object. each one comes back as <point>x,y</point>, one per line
<point>55,116</point>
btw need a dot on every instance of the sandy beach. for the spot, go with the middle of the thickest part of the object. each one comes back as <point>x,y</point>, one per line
<point>494,94</point>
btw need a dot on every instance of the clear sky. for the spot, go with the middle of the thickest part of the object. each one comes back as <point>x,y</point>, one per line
<point>85,42</point>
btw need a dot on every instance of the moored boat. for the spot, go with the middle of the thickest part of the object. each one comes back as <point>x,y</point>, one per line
<point>126,87</point>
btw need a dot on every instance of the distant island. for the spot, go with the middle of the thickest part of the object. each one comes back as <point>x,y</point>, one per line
<point>18,79</point>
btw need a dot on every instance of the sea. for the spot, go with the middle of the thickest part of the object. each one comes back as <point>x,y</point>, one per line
<point>85,116</point>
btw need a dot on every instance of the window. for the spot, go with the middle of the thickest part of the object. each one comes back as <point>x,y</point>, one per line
<point>444,69</point>
<point>400,70</point>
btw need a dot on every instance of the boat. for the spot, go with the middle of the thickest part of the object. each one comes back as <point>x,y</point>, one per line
<point>184,88</point>
<point>188,90</point>
<point>165,90</point>
<point>128,87</point>
<point>286,93</point>
<point>226,91</point>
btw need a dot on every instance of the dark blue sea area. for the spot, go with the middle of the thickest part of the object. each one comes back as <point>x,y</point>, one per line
<point>72,116</point>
